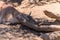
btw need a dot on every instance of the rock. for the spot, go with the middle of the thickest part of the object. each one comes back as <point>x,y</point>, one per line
<point>53,11</point>
<point>48,12</point>
<point>13,2</point>
<point>4,5</point>
<point>8,11</point>
<point>51,36</point>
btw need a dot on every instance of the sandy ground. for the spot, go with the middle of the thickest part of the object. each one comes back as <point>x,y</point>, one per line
<point>19,32</point>
<point>11,32</point>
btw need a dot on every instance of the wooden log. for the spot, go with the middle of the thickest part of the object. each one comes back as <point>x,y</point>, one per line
<point>23,21</point>
<point>49,28</point>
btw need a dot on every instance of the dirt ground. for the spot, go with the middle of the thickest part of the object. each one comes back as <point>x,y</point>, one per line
<point>20,32</point>
<point>12,32</point>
